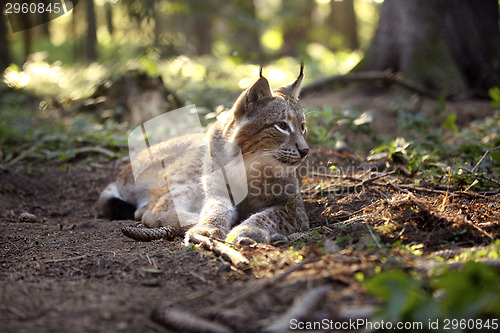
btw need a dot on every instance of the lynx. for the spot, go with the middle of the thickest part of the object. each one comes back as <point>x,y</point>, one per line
<point>268,128</point>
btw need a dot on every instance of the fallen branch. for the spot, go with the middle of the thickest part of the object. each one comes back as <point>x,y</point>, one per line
<point>149,234</point>
<point>301,310</point>
<point>186,322</point>
<point>221,249</point>
<point>385,77</point>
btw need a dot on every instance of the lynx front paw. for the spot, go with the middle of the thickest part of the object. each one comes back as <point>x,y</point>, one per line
<point>241,235</point>
<point>202,230</point>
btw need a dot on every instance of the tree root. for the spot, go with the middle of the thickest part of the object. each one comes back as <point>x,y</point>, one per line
<point>385,77</point>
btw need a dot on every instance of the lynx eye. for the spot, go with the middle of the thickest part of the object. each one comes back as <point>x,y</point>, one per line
<point>282,127</point>
<point>303,127</point>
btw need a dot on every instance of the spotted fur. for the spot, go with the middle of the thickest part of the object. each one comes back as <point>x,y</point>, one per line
<point>268,127</point>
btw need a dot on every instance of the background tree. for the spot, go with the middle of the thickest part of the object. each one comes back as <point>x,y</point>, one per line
<point>343,20</point>
<point>4,44</point>
<point>449,46</point>
<point>108,12</point>
<point>297,23</point>
<point>244,30</point>
<point>91,40</point>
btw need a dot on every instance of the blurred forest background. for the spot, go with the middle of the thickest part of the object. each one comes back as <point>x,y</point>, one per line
<point>111,57</point>
<point>193,44</point>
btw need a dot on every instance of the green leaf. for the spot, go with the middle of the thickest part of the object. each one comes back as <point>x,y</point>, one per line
<point>494,93</point>
<point>495,156</point>
<point>451,123</point>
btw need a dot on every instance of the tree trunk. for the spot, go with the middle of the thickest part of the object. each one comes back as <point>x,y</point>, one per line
<point>297,26</point>
<point>44,18</point>
<point>452,47</point>
<point>245,30</point>
<point>74,33</point>
<point>109,18</point>
<point>4,43</point>
<point>343,20</point>
<point>91,31</point>
<point>202,33</point>
<point>28,35</point>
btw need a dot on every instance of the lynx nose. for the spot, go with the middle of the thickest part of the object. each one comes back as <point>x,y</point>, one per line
<point>303,152</point>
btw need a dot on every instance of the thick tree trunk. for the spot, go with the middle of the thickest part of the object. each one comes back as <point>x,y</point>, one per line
<point>449,46</point>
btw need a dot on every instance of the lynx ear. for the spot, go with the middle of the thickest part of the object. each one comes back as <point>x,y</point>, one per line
<point>292,90</point>
<point>260,90</point>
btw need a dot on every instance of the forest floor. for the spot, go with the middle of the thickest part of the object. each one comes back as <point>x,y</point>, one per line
<point>64,269</point>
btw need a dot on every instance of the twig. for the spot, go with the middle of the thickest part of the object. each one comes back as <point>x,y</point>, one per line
<point>301,309</point>
<point>473,173</point>
<point>186,322</point>
<point>66,259</point>
<point>24,154</point>
<point>410,196</point>
<point>328,175</point>
<point>373,236</point>
<point>97,149</point>
<point>371,180</point>
<point>486,153</point>
<point>222,250</point>
<point>256,288</point>
<point>149,234</point>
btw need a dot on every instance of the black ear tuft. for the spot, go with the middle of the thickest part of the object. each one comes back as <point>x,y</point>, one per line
<point>260,70</point>
<point>292,90</point>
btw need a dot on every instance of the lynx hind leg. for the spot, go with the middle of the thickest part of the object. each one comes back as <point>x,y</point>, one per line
<point>112,206</point>
<point>164,211</point>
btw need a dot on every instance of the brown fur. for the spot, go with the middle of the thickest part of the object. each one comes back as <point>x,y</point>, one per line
<point>269,129</point>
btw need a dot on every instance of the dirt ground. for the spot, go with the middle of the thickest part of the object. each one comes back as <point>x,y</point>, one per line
<point>64,269</point>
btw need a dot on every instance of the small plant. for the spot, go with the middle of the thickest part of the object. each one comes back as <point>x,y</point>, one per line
<point>494,93</point>
<point>408,298</point>
<point>328,126</point>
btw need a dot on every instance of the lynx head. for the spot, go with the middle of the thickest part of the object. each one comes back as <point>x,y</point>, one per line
<point>268,125</point>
